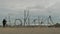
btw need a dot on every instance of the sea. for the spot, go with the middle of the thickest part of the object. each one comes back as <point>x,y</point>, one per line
<point>12,19</point>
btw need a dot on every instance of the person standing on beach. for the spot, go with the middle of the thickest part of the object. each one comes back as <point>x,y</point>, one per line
<point>4,22</point>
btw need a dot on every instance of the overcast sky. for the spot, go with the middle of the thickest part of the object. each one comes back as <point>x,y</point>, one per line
<point>36,7</point>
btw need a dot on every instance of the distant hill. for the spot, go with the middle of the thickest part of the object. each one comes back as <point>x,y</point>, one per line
<point>55,25</point>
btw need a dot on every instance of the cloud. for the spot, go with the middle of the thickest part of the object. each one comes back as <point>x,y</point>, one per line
<point>35,6</point>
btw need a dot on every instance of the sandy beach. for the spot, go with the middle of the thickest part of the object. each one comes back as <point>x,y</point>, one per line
<point>29,30</point>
